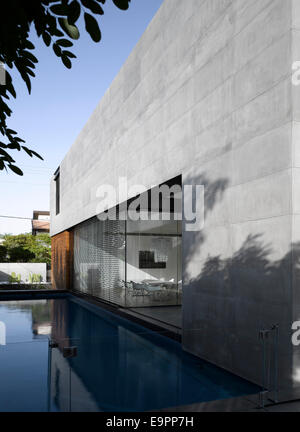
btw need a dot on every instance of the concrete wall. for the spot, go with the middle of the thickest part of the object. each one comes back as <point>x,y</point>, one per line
<point>207,94</point>
<point>24,269</point>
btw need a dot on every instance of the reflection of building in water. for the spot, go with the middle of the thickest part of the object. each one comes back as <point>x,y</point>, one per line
<point>59,319</point>
<point>41,329</point>
<point>68,391</point>
<point>41,319</point>
<point>40,314</point>
<point>111,368</point>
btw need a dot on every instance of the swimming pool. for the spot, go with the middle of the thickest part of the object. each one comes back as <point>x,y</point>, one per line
<point>98,361</point>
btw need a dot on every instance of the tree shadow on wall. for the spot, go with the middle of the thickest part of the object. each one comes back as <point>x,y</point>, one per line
<point>229,297</point>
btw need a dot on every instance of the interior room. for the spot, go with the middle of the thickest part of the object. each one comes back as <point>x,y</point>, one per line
<point>135,261</point>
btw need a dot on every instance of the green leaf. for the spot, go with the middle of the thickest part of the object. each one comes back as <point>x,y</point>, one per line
<point>23,72</point>
<point>31,152</point>
<point>57,49</point>
<point>30,72</point>
<point>57,32</point>
<point>71,30</point>
<point>27,81</point>
<point>64,43</point>
<point>93,6</point>
<point>27,150</point>
<point>92,27</point>
<point>30,56</point>
<point>5,109</point>
<point>14,146</point>
<point>66,61</point>
<point>122,4</point>
<point>11,132</point>
<point>19,139</point>
<point>69,54</point>
<point>11,90</point>
<point>16,169</point>
<point>46,38</point>
<point>28,44</point>
<point>36,155</point>
<point>6,156</point>
<point>59,9</point>
<point>74,11</point>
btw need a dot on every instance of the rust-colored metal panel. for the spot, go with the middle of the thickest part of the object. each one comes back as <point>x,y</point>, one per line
<point>62,260</point>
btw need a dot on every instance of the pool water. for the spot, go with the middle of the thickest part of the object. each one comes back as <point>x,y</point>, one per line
<point>98,362</point>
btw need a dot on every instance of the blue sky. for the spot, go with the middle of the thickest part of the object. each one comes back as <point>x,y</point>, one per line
<point>61,102</point>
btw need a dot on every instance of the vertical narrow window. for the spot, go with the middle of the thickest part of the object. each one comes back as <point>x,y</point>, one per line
<point>57,190</point>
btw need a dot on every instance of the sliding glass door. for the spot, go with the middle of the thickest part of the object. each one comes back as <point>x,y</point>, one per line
<point>153,263</point>
<point>134,261</point>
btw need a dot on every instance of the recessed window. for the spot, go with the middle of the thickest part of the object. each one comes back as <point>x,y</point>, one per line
<point>57,190</point>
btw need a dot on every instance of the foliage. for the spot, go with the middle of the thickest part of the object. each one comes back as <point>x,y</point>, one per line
<point>3,253</point>
<point>27,248</point>
<point>55,21</point>
<point>35,278</point>
<point>41,247</point>
<point>15,278</point>
<point>19,254</point>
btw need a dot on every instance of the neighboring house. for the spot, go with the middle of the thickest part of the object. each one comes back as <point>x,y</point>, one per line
<point>205,98</point>
<point>40,222</point>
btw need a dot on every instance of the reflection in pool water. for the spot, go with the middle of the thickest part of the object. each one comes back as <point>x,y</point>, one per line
<point>98,362</point>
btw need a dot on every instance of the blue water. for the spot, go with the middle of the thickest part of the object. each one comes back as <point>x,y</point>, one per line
<point>119,366</point>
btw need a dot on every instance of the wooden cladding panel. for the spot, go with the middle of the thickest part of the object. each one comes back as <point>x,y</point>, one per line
<point>62,260</point>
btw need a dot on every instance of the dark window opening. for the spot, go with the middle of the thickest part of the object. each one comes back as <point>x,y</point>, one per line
<point>57,190</point>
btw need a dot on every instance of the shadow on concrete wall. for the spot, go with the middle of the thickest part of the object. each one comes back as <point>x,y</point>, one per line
<point>231,299</point>
<point>4,277</point>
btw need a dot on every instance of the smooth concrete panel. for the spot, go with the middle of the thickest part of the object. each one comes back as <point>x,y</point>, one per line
<point>296,143</point>
<point>264,198</point>
<point>263,155</point>
<point>296,191</point>
<point>264,113</point>
<point>295,14</point>
<point>264,71</point>
<point>270,237</point>
<point>268,26</point>
<point>216,140</point>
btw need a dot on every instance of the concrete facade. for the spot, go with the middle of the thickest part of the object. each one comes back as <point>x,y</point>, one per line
<point>207,93</point>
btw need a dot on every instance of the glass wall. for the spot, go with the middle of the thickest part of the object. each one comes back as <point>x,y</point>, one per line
<point>153,263</point>
<point>135,262</point>
<point>99,260</point>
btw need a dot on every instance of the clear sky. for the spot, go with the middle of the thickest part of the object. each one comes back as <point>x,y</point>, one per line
<point>61,102</point>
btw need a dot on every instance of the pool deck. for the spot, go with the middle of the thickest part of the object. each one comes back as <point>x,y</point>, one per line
<point>146,321</point>
<point>170,315</point>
